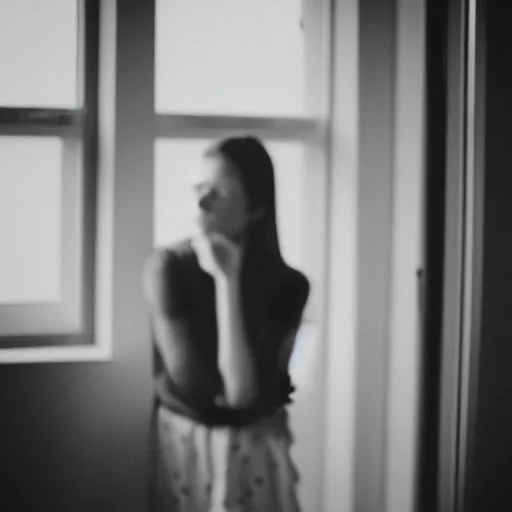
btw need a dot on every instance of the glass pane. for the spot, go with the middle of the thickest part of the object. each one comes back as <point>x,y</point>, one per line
<point>38,53</point>
<point>30,219</point>
<point>230,57</point>
<point>175,163</point>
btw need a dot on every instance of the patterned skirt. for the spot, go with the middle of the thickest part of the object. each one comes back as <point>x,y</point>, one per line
<point>223,469</point>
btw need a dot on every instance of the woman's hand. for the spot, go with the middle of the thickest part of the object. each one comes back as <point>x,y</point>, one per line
<point>219,256</point>
<point>222,258</point>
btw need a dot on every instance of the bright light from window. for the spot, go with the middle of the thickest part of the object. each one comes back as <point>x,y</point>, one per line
<point>30,219</point>
<point>38,53</point>
<point>233,57</point>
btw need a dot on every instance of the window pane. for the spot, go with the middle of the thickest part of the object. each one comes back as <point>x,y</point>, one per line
<point>230,57</point>
<point>30,219</point>
<point>175,163</point>
<point>38,53</point>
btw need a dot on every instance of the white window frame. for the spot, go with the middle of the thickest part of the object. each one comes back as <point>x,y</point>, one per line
<point>312,129</point>
<point>55,331</point>
<point>376,171</point>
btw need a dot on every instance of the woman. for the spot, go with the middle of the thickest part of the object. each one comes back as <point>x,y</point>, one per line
<point>225,309</point>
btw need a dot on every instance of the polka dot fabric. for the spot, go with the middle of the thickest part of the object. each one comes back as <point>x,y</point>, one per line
<point>226,469</point>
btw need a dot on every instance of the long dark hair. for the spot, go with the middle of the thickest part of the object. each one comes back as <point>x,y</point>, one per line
<point>255,170</point>
<point>263,268</point>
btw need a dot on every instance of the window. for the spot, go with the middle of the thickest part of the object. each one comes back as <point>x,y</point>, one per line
<point>174,200</point>
<point>48,57</point>
<point>259,67</point>
<point>248,60</point>
<point>39,45</point>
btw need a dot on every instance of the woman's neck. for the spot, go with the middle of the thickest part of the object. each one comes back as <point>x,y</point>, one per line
<point>239,239</point>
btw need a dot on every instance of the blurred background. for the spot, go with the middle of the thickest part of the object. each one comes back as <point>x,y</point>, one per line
<point>376,114</point>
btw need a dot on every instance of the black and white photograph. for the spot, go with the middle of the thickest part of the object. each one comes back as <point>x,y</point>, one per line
<point>255,256</point>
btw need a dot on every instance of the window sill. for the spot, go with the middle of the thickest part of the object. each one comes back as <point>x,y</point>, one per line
<point>55,354</point>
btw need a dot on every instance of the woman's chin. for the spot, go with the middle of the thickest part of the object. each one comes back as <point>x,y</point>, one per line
<point>202,224</point>
<point>205,228</point>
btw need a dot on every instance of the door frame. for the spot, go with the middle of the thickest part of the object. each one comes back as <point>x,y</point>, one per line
<point>463,256</point>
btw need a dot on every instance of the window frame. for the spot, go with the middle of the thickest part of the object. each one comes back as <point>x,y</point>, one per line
<point>312,129</point>
<point>73,317</point>
<point>313,132</point>
<point>99,122</point>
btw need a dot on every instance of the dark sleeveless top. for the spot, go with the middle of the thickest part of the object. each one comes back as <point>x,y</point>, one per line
<point>272,307</point>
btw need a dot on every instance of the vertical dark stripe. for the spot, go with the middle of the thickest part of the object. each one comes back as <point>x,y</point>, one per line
<point>435,155</point>
<point>90,165</point>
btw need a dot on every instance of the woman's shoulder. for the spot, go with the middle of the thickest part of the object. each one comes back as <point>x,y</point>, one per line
<point>164,266</point>
<point>295,281</point>
<point>284,308</point>
<point>181,249</point>
<point>293,287</point>
<point>168,257</point>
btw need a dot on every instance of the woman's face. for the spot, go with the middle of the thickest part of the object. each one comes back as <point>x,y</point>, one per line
<point>222,205</point>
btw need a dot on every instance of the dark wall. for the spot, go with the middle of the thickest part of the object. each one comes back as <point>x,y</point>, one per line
<point>72,437</point>
<point>491,488</point>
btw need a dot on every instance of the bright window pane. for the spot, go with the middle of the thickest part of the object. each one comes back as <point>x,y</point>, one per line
<point>176,161</point>
<point>230,57</point>
<point>38,53</point>
<point>30,219</point>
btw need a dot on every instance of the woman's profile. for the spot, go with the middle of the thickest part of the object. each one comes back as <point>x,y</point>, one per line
<point>225,309</point>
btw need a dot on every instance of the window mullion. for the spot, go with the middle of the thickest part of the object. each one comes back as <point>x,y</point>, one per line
<point>49,116</point>
<point>198,126</point>
<point>36,121</point>
<point>40,130</point>
<point>316,15</point>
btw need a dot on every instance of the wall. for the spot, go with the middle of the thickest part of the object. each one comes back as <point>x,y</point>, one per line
<point>375,249</point>
<point>405,358</point>
<point>492,462</point>
<point>73,436</point>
